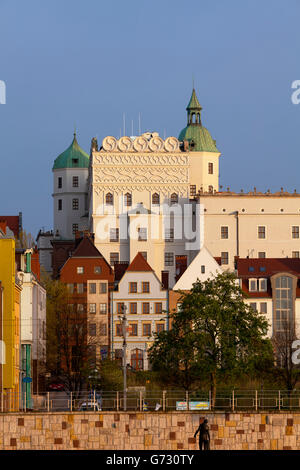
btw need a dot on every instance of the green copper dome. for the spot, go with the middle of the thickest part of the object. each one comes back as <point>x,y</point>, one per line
<point>198,136</point>
<point>73,157</point>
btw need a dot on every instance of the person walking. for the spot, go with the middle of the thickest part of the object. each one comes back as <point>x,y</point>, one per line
<point>204,436</point>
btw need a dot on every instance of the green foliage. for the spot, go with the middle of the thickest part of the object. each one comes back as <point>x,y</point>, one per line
<point>214,335</point>
<point>111,375</point>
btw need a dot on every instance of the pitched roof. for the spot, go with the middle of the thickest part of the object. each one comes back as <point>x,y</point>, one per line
<point>86,249</point>
<point>139,264</point>
<point>265,267</point>
<point>12,222</point>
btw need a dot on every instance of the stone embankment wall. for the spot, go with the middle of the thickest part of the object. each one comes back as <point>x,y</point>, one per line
<point>148,430</point>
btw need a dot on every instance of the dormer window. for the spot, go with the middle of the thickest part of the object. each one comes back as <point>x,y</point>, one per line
<point>252,285</point>
<point>75,161</point>
<point>263,285</point>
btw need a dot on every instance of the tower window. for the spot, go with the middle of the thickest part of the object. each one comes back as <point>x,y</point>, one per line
<point>109,199</point>
<point>59,182</point>
<point>114,235</point>
<point>174,198</point>
<point>75,182</point>
<point>75,161</point>
<point>60,204</point>
<point>169,259</point>
<point>75,204</point>
<point>210,168</point>
<point>155,199</point>
<point>74,228</point>
<point>127,199</point>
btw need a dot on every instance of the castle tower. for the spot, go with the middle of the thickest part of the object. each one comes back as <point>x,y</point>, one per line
<point>204,155</point>
<point>70,174</point>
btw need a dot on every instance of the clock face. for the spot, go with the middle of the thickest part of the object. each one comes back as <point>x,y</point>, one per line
<point>109,143</point>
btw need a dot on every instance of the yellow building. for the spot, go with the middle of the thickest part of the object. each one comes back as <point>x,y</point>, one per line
<point>10,325</point>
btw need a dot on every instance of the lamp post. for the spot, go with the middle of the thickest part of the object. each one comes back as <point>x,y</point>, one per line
<point>123,320</point>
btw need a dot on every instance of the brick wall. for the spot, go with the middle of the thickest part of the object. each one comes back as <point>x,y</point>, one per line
<point>151,431</point>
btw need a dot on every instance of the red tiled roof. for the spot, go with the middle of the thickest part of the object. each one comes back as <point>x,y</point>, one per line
<point>139,264</point>
<point>86,249</point>
<point>266,267</point>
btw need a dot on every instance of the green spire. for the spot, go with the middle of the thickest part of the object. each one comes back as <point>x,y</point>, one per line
<point>194,103</point>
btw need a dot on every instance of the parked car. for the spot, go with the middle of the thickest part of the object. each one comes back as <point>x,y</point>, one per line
<point>90,406</point>
<point>56,386</point>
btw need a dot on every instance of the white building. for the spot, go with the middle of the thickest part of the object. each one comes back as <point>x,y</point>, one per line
<point>141,293</point>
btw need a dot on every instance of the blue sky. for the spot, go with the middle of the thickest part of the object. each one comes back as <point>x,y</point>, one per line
<point>82,63</point>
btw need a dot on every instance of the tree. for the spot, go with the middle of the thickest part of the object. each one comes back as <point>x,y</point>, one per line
<point>70,350</point>
<point>282,342</point>
<point>214,334</point>
<point>25,240</point>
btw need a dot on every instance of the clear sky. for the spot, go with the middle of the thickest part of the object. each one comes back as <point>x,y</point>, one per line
<point>84,63</point>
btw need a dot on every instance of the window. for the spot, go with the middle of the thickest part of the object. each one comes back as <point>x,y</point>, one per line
<point>118,329</point>
<point>224,232</point>
<point>263,285</point>
<point>59,182</point>
<point>142,234</point>
<point>97,269</point>
<point>92,308</point>
<point>75,161</point>
<point>155,199</point>
<point>109,199</point>
<point>133,307</point>
<point>92,288</point>
<point>261,232</point>
<point>120,308</point>
<point>92,329</point>
<point>74,228</point>
<point>145,307</point>
<point>210,189</point>
<point>202,269</point>
<point>132,287</point>
<point>263,307</point>
<point>210,168</point>
<point>145,287</point>
<point>75,181</point>
<point>169,259</point>
<point>284,302</point>
<point>80,308</point>
<point>169,235</point>
<point>253,305</point>
<point>136,359</point>
<point>295,231</point>
<point>295,254</point>
<point>192,190</point>
<point>158,307</point>
<point>80,269</point>
<point>127,199</point>
<point>144,254</point>
<point>103,287</point>
<point>160,327</point>
<point>103,329</point>
<point>133,329</point>
<point>261,254</point>
<point>146,329</point>
<point>174,198</point>
<point>114,235</point>
<point>114,258</point>
<point>75,204</point>
<point>252,285</point>
<point>80,288</point>
<point>70,288</point>
<point>103,309</point>
<point>224,257</point>
<point>60,204</point>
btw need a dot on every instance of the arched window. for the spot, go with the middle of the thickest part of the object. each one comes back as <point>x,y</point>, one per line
<point>155,199</point>
<point>174,198</point>
<point>210,189</point>
<point>137,360</point>
<point>284,304</point>
<point>127,199</point>
<point>109,199</point>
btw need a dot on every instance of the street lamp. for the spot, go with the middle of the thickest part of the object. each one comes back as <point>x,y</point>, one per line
<point>123,320</point>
